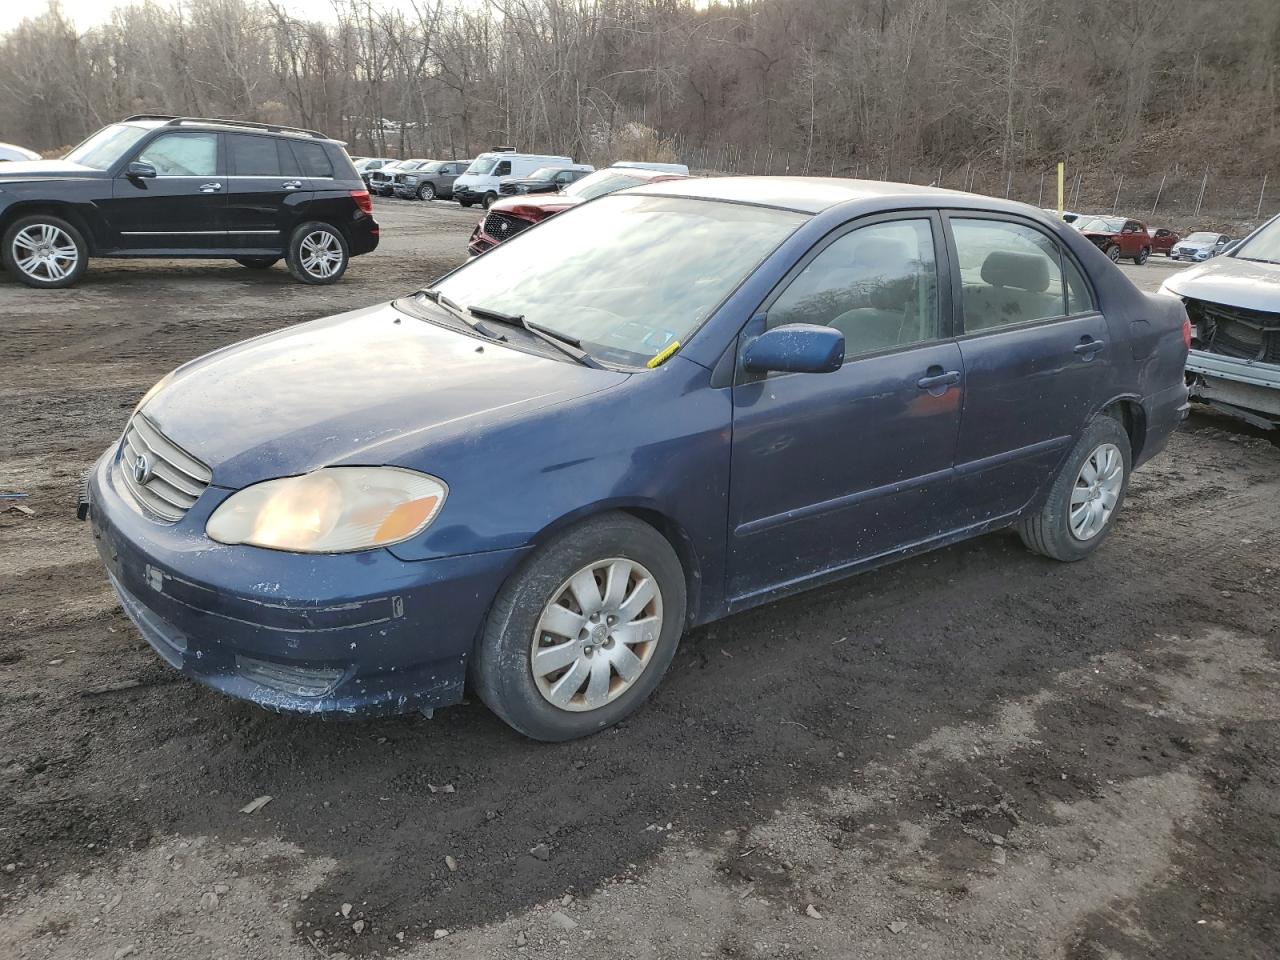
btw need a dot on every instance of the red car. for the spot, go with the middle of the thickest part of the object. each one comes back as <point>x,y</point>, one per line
<point>1162,241</point>
<point>505,218</point>
<point>1118,237</point>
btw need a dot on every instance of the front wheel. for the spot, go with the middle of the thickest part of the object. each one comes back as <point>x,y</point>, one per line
<point>1085,497</point>
<point>258,263</point>
<point>581,635</point>
<point>489,199</point>
<point>44,251</point>
<point>1143,256</point>
<point>318,253</point>
<point>426,192</point>
<point>464,203</point>
<point>1113,252</point>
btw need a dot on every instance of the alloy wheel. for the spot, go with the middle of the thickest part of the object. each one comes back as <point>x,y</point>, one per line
<point>45,252</point>
<point>1096,490</point>
<point>597,635</point>
<point>321,254</point>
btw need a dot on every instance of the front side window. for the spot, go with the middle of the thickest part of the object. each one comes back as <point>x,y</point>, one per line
<point>253,156</point>
<point>1009,273</point>
<point>626,275</point>
<point>106,146</point>
<point>182,154</point>
<point>504,169</point>
<point>878,285</point>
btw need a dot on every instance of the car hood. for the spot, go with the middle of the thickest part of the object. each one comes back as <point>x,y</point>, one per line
<point>1196,244</point>
<point>1232,282</point>
<point>1098,234</point>
<point>357,388</point>
<point>45,170</point>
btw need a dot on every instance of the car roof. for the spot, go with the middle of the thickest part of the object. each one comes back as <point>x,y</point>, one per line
<point>151,121</point>
<point>804,194</point>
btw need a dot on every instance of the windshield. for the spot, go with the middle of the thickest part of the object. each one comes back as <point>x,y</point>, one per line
<point>1099,224</point>
<point>602,182</point>
<point>544,173</point>
<point>483,166</point>
<point>627,276</point>
<point>1263,245</point>
<point>1202,238</point>
<point>433,167</point>
<point>106,146</point>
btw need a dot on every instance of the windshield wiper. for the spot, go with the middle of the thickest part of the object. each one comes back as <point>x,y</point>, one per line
<point>566,344</point>
<point>440,300</point>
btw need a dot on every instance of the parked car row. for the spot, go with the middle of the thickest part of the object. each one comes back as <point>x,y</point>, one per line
<point>1122,238</point>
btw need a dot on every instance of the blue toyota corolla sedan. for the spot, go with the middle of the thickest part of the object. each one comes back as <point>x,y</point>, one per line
<point>663,407</point>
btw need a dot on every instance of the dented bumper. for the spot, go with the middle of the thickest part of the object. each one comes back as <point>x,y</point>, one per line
<point>329,635</point>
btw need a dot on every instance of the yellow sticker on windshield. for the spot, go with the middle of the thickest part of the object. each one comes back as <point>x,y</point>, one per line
<point>664,356</point>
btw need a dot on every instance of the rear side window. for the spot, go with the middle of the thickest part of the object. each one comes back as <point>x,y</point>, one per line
<point>1009,274</point>
<point>878,285</point>
<point>312,159</point>
<point>254,156</point>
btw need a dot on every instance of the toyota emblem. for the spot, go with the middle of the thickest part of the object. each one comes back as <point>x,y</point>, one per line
<point>142,470</point>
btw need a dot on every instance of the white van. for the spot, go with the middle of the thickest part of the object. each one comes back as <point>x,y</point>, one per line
<point>479,184</point>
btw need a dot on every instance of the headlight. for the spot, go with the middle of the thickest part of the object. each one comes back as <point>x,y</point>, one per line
<point>333,510</point>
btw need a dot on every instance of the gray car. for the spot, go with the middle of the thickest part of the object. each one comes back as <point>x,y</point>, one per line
<point>432,179</point>
<point>1234,305</point>
<point>1199,247</point>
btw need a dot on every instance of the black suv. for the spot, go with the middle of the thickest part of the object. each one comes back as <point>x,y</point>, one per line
<point>158,186</point>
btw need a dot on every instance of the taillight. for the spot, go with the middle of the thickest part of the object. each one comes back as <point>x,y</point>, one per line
<point>361,197</point>
<point>1186,333</point>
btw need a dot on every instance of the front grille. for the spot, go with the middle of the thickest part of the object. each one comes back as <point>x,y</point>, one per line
<point>164,479</point>
<point>1237,332</point>
<point>501,226</point>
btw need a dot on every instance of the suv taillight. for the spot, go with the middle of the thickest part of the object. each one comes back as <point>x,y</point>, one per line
<point>361,197</point>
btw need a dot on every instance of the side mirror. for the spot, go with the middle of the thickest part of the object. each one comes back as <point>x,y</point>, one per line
<point>796,348</point>
<point>140,170</point>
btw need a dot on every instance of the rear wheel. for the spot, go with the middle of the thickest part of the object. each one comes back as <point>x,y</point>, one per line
<point>1085,497</point>
<point>318,253</point>
<point>1113,252</point>
<point>426,192</point>
<point>581,635</point>
<point>1143,256</point>
<point>258,263</point>
<point>44,251</point>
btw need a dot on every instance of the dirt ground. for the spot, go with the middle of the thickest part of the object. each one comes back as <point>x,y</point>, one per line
<point>978,753</point>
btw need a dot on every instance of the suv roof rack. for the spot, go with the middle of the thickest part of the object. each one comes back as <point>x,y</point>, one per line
<point>172,121</point>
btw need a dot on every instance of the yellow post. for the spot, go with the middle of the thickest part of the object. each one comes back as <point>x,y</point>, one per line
<point>1062,170</point>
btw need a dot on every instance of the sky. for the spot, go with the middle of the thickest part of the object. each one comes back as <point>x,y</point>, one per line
<point>88,13</point>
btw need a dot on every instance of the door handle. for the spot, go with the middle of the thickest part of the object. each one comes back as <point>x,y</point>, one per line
<point>210,187</point>
<point>1087,348</point>
<point>292,184</point>
<point>935,380</point>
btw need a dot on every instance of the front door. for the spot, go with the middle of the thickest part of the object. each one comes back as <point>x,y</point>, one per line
<point>832,469</point>
<point>184,206</point>
<point>1036,357</point>
<point>267,190</point>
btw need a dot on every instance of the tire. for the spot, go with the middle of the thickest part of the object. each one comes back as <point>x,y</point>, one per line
<point>44,251</point>
<point>464,203</point>
<point>318,253</point>
<point>258,263</point>
<point>1051,531</point>
<point>503,668</point>
<point>1113,252</point>
<point>427,191</point>
<point>489,199</point>
<point>1143,256</point>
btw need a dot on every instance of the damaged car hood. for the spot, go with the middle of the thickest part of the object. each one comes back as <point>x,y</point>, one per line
<point>47,170</point>
<point>1232,281</point>
<point>337,390</point>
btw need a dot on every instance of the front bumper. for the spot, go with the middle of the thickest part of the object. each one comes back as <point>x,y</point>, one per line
<point>1247,389</point>
<point>480,241</point>
<point>329,635</point>
<point>467,195</point>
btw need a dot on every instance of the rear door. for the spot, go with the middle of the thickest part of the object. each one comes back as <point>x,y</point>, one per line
<point>267,191</point>
<point>833,468</point>
<point>184,206</point>
<point>1037,358</point>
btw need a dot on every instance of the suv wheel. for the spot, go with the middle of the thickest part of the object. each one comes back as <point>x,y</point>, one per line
<point>318,253</point>
<point>581,635</point>
<point>489,198</point>
<point>1085,497</point>
<point>1113,252</point>
<point>44,251</point>
<point>426,192</point>
<point>258,263</point>
<point>1143,256</point>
